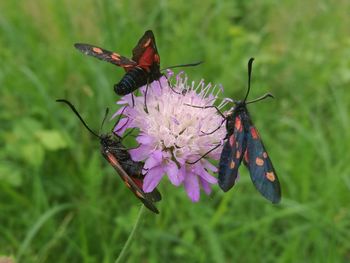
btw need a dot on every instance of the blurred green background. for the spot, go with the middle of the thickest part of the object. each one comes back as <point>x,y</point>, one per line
<point>60,201</point>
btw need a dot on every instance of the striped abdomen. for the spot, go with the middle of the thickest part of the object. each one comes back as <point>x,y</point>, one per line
<point>132,80</point>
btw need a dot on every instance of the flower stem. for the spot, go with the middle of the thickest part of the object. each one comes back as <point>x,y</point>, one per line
<point>132,233</point>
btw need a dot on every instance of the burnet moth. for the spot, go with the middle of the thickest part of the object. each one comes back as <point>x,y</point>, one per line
<point>143,68</point>
<point>243,143</point>
<point>116,154</point>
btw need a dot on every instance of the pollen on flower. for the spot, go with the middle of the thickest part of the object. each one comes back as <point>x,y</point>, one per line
<point>176,131</point>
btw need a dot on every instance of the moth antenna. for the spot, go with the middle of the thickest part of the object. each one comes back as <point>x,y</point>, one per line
<point>128,133</point>
<point>200,158</point>
<point>78,115</point>
<point>267,95</point>
<point>104,119</point>
<point>184,65</point>
<point>250,66</point>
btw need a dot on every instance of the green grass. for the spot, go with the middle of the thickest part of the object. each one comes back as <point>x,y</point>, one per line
<point>61,202</point>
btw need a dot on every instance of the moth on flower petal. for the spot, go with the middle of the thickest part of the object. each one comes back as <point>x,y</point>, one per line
<point>117,155</point>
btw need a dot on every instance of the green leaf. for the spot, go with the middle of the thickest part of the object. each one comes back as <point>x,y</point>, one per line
<point>32,153</point>
<point>51,140</point>
<point>10,174</point>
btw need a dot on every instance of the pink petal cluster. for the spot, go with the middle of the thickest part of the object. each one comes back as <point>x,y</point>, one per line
<point>173,134</point>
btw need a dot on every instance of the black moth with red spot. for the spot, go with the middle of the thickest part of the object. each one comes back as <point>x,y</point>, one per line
<point>129,171</point>
<point>143,68</point>
<point>244,143</point>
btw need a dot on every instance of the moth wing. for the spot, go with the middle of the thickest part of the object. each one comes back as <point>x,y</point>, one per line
<point>130,183</point>
<point>105,55</point>
<point>145,53</point>
<point>154,196</point>
<point>231,156</point>
<point>261,170</point>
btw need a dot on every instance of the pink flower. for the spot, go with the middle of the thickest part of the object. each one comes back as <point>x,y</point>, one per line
<point>173,134</point>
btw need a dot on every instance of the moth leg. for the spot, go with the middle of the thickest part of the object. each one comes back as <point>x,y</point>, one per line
<point>175,90</point>
<point>169,84</point>
<point>160,83</point>
<point>207,107</point>
<point>146,171</point>
<point>208,133</point>
<point>217,146</point>
<point>133,94</point>
<point>132,99</point>
<point>114,132</point>
<point>128,133</point>
<point>145,102</point>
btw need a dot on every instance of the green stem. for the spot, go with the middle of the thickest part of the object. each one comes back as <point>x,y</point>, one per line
<point>133,231</point>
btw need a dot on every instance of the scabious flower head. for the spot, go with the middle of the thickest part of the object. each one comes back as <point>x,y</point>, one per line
<point>173,134</point>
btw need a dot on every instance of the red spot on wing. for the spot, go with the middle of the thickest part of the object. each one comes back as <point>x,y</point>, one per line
<point>254,133</point>
<point>138,182</point>
<point>115,56</point>
<point>259,161</point>
<point>97,50</point>
<point>127,67</point>
<point>246,156</point>
<point>232,164</point>
<point>156,58</point>
<point>147,43</point>
<point>238,124</point>
<point>270,176</point>
<point>232,140</point>
<point>127,184</point>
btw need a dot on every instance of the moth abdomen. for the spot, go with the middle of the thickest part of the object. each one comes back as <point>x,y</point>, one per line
<point>132,80</point>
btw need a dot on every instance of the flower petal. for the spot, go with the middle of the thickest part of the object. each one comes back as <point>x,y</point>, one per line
<point>200,171</point>
<point>121,109</point>
<point>140,153</point>
<point>131,113</point>
<point>192,187</point>
<point>145,139</point>
<point>205,185</point>
<point>182,173</point>
<point>158,85</point>
<point>154,159</point>
<point>121,126</point>
<point>173,173</point>
<point>127,99</point>
<point>208,165</point>
<point>152,178</point>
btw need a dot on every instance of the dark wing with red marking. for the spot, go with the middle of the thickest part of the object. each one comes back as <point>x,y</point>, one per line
<point>145,53</point>
<point>105,55</point>
<point>260,167</point>
<point>130,183</point>
<point>231,156</point>
<point>154,196</point>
